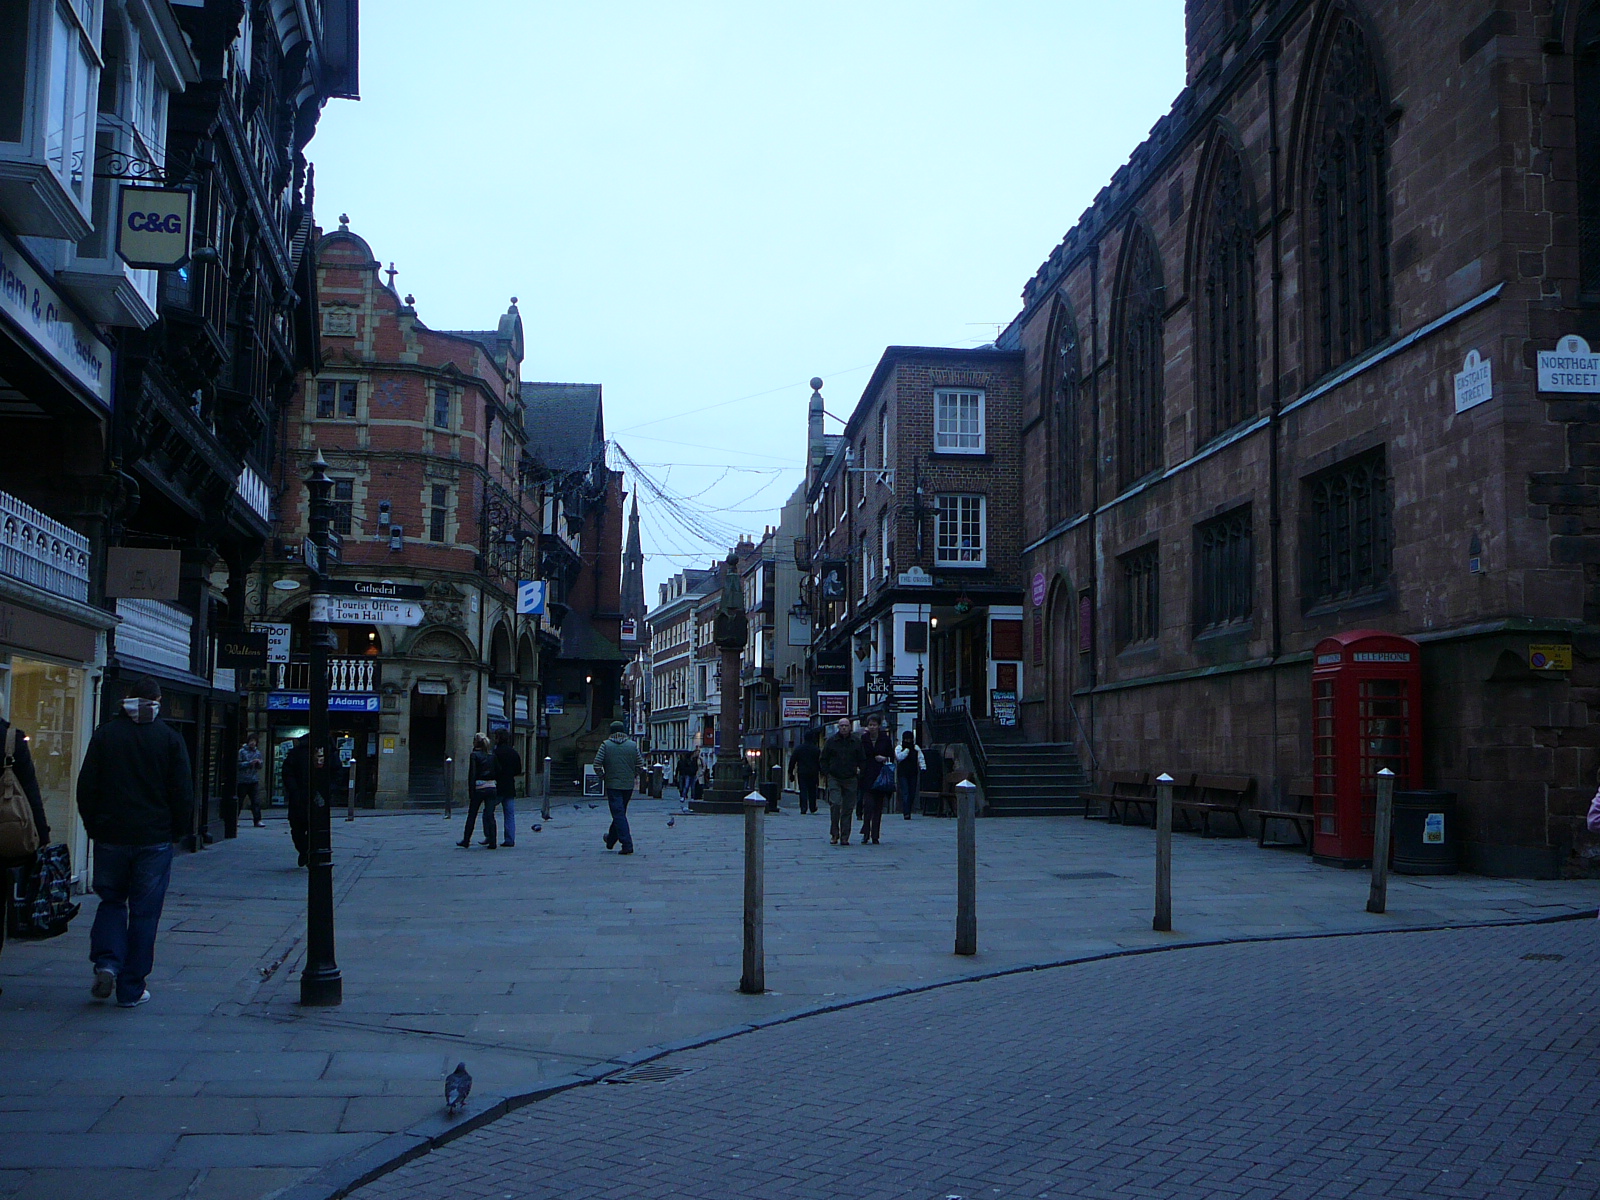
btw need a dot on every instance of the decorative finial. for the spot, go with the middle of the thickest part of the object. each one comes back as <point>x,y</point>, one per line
<point>410,300</point>
<point>391,273</point>
<point>816,383</point>
<point>344,221</point>
<point>513,302</point>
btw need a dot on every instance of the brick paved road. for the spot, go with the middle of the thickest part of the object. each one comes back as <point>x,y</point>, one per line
<point>1446,1064</point>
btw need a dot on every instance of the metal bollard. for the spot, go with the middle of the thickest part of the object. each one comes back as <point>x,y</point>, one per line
<point>544,812</point>
<point>753,981</point>
<point>1382,824</point>
<point>350,795</point>
<point>1163,918</point>
<point>449,786</point>
<point>966,867</point>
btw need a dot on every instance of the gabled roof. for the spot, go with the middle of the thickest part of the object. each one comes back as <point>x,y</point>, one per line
<point>565,423</point>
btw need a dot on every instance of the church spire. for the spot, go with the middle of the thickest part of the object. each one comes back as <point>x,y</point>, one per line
<point>633,605</point>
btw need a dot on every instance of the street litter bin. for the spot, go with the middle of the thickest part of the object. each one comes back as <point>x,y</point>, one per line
<point>1427,837</point>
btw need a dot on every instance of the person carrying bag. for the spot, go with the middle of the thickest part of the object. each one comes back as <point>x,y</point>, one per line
<point>24,830</point>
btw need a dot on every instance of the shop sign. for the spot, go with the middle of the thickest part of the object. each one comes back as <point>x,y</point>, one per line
<point>277,640</point>
<point>1550,658</point>
<point>432,687</point>
<point>796,710</point>
<point>356,610</point>
<point>153,226</point>
<point>47,321</point>
<point>554,704</point>
<point>877,687</point>
<point>242,651</point>
<point>1003,707</point>
<point>135,573</point>
<point>343,702</point>
<point>530,597</point>
<point>1475,383</point>
<point>29,630</point>
<point>833,704</point>
<point>915,577</point>
<point>1570,367</point>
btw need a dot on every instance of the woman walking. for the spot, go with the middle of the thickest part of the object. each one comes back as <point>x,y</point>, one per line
<point>908,768</point>
<point>877,777</point>
<point>480,791</point>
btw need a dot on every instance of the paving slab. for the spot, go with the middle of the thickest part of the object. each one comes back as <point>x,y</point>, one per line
<point>534,963</point>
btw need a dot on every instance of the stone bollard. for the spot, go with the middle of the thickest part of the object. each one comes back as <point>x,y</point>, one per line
<point>544,811</point>
<point>449,787</point>
<point>1382,824</point>
<point>753,981</point>
<point>966,867</point>
<point>1163,918</point>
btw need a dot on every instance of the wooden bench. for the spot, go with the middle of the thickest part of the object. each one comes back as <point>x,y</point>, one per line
<point>1128,789</point>
<point>1209,795</point>
<point>1302,815</point>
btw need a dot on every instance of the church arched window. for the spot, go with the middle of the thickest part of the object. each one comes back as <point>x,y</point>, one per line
<point>1227,309</point>
<point>1140,319</point>
<point>1348,212</point>
<point>1068,372</point>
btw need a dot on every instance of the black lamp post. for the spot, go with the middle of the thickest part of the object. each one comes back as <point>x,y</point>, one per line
<point>320,982</point>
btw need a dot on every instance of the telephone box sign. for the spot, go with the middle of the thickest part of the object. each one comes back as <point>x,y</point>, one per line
<point>153,226</point>
<point>1570,367</point>
<point>1380,656</point>
<point>1475,383</point>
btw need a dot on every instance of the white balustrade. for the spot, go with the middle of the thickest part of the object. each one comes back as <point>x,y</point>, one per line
<point>41,551</point>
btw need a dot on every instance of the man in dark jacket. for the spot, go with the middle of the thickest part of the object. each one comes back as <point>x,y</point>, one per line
<point>296,776</point>
<point>507,766</point>
<point>22,765</point>
<point>803,770</point>
<point>136,797</point>
<point>877,752</point>
<point>840,762</point>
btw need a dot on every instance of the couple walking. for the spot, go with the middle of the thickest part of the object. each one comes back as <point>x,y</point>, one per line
<point>870,768</point>
<point>491,780</point>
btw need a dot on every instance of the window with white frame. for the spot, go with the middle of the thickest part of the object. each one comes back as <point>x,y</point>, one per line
<point>959,537</point>
<point>867,564</point>
<point>49,83</point>
<point>958,421</point>
<point>885,546</point>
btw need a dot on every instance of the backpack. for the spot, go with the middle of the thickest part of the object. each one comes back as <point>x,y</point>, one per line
<point>41,898</point>
<point>18,836</point>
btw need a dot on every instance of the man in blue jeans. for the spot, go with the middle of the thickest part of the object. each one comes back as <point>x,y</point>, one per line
<point>136,797</point>
<point>617,762</point>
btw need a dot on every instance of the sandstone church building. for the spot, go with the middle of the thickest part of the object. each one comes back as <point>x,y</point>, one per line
<point>1281,382</point>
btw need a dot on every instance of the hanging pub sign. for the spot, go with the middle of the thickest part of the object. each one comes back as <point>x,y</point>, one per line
<point>833,579</point>
<point>1570,367</point>
<point>153,226</point>
<point>242,651</point>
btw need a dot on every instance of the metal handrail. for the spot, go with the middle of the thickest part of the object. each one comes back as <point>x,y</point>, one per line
<point>1088,744</point>
<point>955,724</point>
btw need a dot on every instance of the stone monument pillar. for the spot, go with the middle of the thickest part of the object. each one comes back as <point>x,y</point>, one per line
<point>729,632</point>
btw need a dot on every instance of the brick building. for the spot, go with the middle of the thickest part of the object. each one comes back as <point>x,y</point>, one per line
<point>913,536</point>
<point>422,430</point>
<point>1281,383</point>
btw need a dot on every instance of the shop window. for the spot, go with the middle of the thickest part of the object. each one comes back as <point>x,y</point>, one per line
<point>47,703</point>
<point>1224,571</point>
<point>439,498</point>
<point>1141,595</point>
<point>958,421</point>
<point>1349,543</point>
<point>959,537</point>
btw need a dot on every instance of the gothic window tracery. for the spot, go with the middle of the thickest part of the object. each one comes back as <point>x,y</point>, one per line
<point>1348,213</point>
<point>1228,340</point>
<point>1140,386</point>
<point>1068,374</point>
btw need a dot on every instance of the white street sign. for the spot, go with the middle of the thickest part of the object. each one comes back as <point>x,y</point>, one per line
<point>277,640</point>
<point>1475,383</point>
<point>1570,367</point>
<point>364,610</point>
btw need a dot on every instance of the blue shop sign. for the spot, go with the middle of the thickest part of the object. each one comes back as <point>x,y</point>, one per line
<point>346,702</point>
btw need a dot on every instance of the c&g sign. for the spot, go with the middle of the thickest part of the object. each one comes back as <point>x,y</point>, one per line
<point>153,226</point>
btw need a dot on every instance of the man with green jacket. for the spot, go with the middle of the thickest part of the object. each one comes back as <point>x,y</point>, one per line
<point>617,762</point>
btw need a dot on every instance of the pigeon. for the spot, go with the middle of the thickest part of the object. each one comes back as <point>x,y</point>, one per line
<point>457,1087</point>
<point>671,821</point>
<point>538,828</point>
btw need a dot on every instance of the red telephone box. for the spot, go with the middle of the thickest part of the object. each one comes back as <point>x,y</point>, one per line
<point>1366,692</point>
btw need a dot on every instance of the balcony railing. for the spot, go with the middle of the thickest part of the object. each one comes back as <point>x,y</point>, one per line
<point>41,551</point>
<point>345,674</point>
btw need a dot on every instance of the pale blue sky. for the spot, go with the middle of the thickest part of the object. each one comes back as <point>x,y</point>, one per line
<point>697,202</point>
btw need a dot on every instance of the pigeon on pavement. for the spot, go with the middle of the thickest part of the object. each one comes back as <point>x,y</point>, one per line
<point>671,821</point>
<point>537,828</point>
<point>457,1087</point>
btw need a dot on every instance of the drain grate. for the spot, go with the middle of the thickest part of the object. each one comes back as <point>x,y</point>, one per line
<point>652,1074</point>
<point>1543,957</point>
<point>1085,875</point>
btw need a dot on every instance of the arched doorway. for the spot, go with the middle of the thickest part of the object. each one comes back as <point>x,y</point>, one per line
<point>1060,655</point>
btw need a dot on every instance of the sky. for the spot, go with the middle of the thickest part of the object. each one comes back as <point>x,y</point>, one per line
<point>701,205</point>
